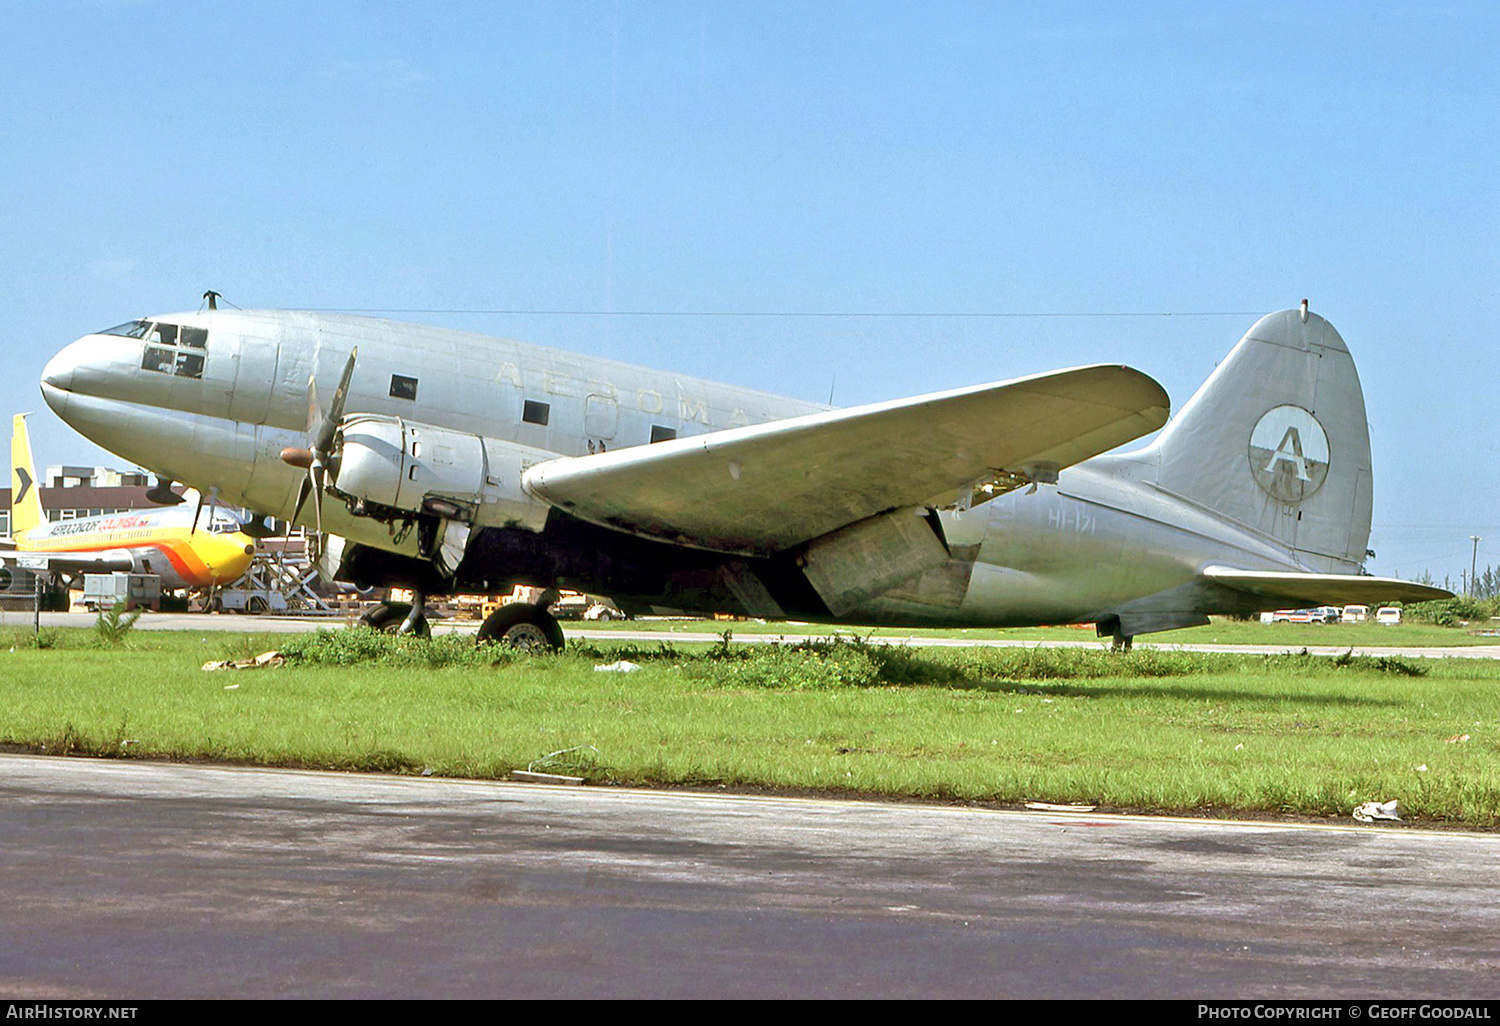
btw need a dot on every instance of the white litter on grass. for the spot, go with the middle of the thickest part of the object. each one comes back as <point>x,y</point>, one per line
<point>1369,812</point>
<point>623,666</point>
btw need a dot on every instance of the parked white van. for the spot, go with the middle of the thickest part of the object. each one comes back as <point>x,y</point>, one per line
<point>1356,614</point>
<point>1388,615</point>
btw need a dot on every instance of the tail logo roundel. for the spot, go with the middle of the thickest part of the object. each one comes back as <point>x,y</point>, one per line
<point>1289,454</point>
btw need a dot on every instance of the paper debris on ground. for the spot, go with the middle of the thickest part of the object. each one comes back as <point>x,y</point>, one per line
<point>262,660</point>
<point>623,666</point>
<point>1048,807</point>
<point>1369,812</point>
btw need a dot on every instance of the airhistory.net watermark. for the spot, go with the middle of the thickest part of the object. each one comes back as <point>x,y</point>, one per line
<point>47,1010</point>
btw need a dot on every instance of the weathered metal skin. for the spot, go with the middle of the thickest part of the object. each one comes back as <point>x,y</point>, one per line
<point>1120,540</point>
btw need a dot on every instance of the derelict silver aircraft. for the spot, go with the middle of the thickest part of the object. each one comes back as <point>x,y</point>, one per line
<point>455,462</point>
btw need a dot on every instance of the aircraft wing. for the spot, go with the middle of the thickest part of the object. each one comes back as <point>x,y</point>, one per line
<point>101,562</point>
<point>1292,589</point>
<point>760,489</point>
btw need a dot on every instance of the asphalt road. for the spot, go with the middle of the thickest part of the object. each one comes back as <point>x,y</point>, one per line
<point>134,880</point>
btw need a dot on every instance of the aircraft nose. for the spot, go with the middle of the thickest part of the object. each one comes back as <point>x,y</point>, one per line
<point>94,365</point>
<point>59,370</point>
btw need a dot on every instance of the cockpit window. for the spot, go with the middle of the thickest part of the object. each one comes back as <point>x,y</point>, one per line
<point>173,349</point>
<point>130,329</point>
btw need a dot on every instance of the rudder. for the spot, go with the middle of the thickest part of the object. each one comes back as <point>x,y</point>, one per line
<point>25,502</point>
<point>1277,440</point>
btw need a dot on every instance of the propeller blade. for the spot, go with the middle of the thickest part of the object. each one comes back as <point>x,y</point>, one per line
<point>314,410</point>
<point>197,512</point>
<point>330,423</point>
<point>317,474</point>
<point>301,500</point>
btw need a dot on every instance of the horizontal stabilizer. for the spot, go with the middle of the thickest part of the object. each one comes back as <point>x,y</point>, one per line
<point>1292,589</point>
<point>764,488</point>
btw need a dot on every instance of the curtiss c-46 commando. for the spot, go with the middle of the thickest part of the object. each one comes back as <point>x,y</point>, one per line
<point>455,462</point>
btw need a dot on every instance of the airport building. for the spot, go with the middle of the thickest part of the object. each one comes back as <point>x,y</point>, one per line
<point>73,492</point>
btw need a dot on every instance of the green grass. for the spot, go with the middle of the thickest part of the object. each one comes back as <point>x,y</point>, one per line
<point>1150,731</point>
<point>1222,631</point>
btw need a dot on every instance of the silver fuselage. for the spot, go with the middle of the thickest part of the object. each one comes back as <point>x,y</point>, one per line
<point>1104,539</point>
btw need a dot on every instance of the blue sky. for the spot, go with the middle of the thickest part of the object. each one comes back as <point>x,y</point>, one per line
<point>746,159</point>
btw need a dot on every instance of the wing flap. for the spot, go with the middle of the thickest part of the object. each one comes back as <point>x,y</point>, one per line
<point>767,487</point>
<point>1294,589</point>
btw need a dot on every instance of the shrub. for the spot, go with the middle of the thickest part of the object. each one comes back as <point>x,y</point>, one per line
<point>358,645</point>
<point>814,665</point>
<point>112,624</point>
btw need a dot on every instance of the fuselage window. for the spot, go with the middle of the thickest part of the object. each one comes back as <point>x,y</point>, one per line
<point>189,365</point>
<point>662,434</point>
<point>171,349</point>
<point>403,387</point>
<point>158,359</point>
<point>536,413</point>
<point>162,334</point>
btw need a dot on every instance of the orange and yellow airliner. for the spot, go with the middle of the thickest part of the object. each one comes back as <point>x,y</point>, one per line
<point>165,541</point>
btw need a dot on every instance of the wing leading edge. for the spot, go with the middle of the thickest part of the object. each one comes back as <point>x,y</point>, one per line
<point>764,488</point>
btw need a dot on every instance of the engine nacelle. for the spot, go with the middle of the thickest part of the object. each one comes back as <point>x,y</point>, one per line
<point>419,468</point>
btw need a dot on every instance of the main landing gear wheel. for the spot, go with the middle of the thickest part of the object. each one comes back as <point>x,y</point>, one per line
<point>388,617</point>
<point>523,626</point>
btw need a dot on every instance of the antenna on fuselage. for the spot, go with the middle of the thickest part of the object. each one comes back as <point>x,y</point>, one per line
<point>213,299</point>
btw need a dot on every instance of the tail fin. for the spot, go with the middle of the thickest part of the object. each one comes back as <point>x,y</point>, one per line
<point>1276,439</point>
<point>25,503</point>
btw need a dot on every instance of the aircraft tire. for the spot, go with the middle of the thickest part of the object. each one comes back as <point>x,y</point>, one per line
<point>388,617</point>
<point>524,626</point>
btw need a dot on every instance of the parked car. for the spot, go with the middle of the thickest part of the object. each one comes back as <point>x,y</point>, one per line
<point>1356,614</point>
<point>1293,616</point>
<point>1388,615</point>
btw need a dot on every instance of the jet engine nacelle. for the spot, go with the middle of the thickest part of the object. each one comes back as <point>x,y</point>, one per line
<point>409,466</point>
